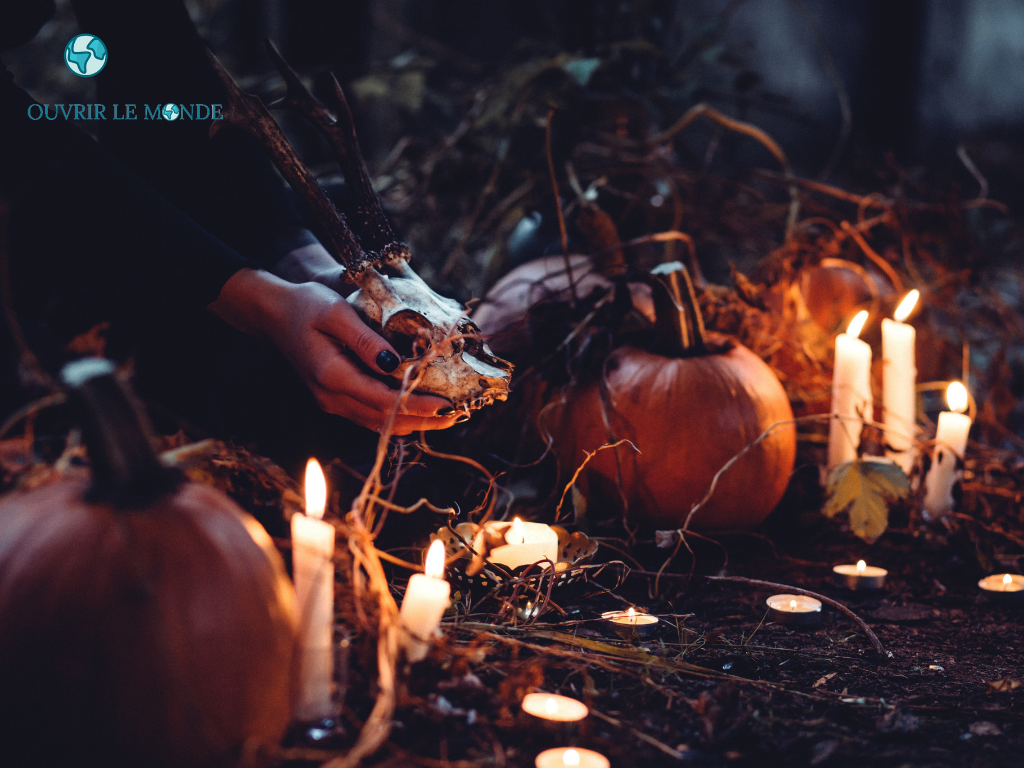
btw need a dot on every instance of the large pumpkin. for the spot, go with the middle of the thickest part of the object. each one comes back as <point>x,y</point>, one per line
<point>143,621</point>
<point>688,406</point>
<point>687,417</point>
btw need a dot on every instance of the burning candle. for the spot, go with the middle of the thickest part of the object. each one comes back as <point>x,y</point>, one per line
<point>555,708</point>
<point>851,393</point>
<point>313,569</point>
<point>899,382</point>
<point>571,757</point>
<point>525,544</point>
<point>859,576</point>
<point>950,445</point>
<point>998,584</point>
<point>794,610</point>
<point>426,599</point>
<point>631,623</point>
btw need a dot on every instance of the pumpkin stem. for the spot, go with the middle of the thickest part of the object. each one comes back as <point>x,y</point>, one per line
<point>679,325</point>
<point>125,469</point>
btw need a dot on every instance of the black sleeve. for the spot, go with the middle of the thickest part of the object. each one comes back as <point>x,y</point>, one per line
<point>226,184</point>
<point>77,213</point>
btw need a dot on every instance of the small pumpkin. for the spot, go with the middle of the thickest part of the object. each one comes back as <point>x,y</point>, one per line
<point>504,316</point>
<point>143,620</point>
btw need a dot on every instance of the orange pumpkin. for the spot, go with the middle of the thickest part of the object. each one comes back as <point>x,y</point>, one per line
<point>687,417</point>
<point>687,407</point>
<point>145,621</point>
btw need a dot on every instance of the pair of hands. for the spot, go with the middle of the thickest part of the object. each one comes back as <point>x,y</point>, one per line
<point>322,336</point>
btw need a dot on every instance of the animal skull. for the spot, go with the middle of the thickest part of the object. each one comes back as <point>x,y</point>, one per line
<point>428,330</point>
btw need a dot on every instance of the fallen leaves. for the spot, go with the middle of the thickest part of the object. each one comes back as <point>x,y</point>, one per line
<point>865,488</point>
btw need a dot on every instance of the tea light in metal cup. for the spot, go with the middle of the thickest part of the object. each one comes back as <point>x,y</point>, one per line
<point>794,610</point>
<point>554,708</point>
<point>631,623</point>
<point>859,576</point>
<point>571,757</point>
<point>1003,586</point>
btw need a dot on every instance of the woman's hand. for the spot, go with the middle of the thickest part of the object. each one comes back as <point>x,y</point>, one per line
<point>323,337</point>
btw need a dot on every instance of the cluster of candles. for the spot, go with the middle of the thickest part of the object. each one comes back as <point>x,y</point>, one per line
<point>553,709</point>
<point>852,405</point>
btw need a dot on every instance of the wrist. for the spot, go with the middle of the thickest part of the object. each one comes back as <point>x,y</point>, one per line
<point>252,301</point>
<point>311,264</point>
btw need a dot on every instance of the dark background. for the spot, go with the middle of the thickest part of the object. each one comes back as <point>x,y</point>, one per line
<point>920,77</point>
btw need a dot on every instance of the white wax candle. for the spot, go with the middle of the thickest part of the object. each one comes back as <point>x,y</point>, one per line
<point>899,382</point>
<point>950,445</point>
<point>526,543</point>
<point>426,599</point>
<point>551,706</point>
<point>313,571</point>
<point>851,394</point>
<point>571,757</point>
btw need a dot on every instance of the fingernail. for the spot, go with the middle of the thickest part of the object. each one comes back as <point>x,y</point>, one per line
<point>462,418</point>
<point>446,411</point>
<point>387,361</point>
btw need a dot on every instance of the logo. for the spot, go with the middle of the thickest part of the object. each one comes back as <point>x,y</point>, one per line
<point>170,112</point>
<point>85,55</point>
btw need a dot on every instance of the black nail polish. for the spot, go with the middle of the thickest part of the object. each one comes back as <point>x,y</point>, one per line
<point>463,417</point>
<point>387,361</point>
<point>446,411</point>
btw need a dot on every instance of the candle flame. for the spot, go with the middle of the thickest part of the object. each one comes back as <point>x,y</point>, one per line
<point>906,306</point>
<point>518,531</point>
<point>861,566</point>
<point>792,605</point>
<point>857,324</point>
<point>550,706</point>
<point>956,397</point>
<point>571,757</point>
<point>316,489</point>
<point>434,566</point>
<point>1007,579</point>
<point>631,613</point>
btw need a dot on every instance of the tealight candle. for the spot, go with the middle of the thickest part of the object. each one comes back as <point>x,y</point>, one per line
<point>950,445</point>
<point>899,382</point>
<point>555,708</point>
<point>525,544</point>
<point>571,757</point>
<point>631,623</point>
<point>851,393</point>
<point>313,569</point>
<point>1003,584</point>
<point>426,599</point>
<point>859,576</point>
<point>794,610</point>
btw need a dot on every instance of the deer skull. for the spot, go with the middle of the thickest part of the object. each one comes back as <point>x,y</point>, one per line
<point>428,330</point>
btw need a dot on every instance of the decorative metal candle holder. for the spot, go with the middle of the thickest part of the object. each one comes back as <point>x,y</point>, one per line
<point>794,610</point>
<point>528,585</point>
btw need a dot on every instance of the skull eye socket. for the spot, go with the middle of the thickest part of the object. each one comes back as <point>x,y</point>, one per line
<point>409,346</point>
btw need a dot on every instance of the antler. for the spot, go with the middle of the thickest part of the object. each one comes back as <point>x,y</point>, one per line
<point>338,128</point>
<point>247,112</point>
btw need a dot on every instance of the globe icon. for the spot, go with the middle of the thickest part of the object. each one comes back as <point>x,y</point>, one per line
<point>85,55</point>
<point>171,112</point>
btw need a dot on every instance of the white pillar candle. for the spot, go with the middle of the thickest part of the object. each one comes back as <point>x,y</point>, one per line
<point>899,383</point>
<point>525,544</point>
<point>426,599</point>
<point>313,569</point>
<point>950,445</point>
<point>851,393</point>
